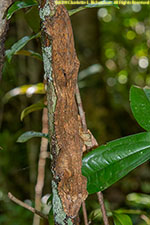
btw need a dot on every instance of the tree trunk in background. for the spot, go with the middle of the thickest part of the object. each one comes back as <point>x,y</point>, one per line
<point>4,5</point>
<point>61,70</point>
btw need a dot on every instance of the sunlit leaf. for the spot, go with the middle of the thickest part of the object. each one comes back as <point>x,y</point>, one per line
<point>121,219</point>
<point>20,5</point>
<point>19,45</point>
<point>108,163</point>
<point>30,134</point>
<point>98,5</point>
<point>93,69</point>
<point>138,199</point>
<point>140,105</point>
<point>34,107</point>
<point>29,90</point>
<point>29,53</point>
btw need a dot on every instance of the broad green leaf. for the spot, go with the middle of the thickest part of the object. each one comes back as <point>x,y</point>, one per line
<point>140,105</point>
<point>20,5</point>
<point>108,163</point>
<point>29,90</point>
<point>29,53</point>
<point>19,45</point>
<point>98,5</point>
<point>34,107</point>
<point>30,134</point>
<point>121,219</point>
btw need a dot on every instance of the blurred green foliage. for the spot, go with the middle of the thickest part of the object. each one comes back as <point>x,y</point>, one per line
<point>118,40</point>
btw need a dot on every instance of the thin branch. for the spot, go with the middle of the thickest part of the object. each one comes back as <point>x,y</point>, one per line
<point>26,206</point>
<point>84,126</point>
<point>103,210</point>
<point>41,167</point>
<point>94,143</point>
<point>84,213</point>
<point>80,108</point>
<point>146,219</point>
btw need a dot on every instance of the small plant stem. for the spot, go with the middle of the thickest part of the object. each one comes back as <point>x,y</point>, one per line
<point>80,108</point>
<point>103,210</point>
<point>146,219</point>
<point>85,213</point>
<point>26,206</point>
<point>41,167</point>
<point>84,126</point>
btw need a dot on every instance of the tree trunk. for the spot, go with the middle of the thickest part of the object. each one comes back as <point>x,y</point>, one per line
<point>61,70</point>
<point>4,5</point>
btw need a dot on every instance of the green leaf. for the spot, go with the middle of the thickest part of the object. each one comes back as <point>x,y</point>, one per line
<point>49,200</point>
<point>51,217</point>
<point>108,163</point>
<point>98,5</point>
<point>29,90</point>
<point>140,105</point>
<point>29,53</point>
<point>122,219</point>
<point>20,5</point>
<point>93,69</point>
<point>30,134</point>
<point>19,45</point>
<point>138,200</point>
<point>33,19</point>
<point>32,108</point>
<point>130,211</point>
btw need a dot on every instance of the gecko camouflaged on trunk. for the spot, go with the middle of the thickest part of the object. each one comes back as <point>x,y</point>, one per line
<point>67,162</point>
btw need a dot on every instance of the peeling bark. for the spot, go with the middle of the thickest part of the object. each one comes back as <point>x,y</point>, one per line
<point>3,29</point>
<point>61,70</point>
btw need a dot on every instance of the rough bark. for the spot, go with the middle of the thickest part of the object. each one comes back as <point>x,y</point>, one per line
<point>61,70</point>
<point>3,29</point>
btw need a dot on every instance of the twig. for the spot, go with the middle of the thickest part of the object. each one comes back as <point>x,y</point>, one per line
<point>84,213</point>
<point>94,143</point>
<point>26,206</point>
<point>41,167</point>
<point>103,210</point>
<point>84,126</point>
<point>146,219</point>
<point>80,108</point>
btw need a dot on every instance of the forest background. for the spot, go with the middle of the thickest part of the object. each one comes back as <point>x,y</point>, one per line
<point>113,47</point>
